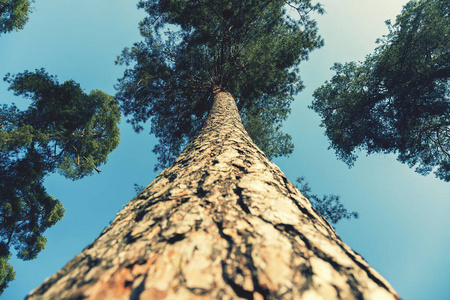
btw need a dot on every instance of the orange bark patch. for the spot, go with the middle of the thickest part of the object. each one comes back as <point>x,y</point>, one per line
<point>153,294</point>
<point>114,285</point>
<point>119,283</point>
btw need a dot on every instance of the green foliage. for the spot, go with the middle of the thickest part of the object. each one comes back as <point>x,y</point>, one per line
<point>250,48</point>
<point>138,188</point>
<point>13,14</point>
<point>397,100</point>
<point>7,272</point>
<point>73,131</point>
<point>329,206</point>
<point>63,130</point>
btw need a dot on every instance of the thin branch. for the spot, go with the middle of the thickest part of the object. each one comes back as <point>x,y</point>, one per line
<point>298,11</point>
<point>212,8</point>
<point>95,168</point>
<point>440,144</point>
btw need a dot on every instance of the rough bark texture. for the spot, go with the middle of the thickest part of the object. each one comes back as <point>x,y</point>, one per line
<point>222,222</point>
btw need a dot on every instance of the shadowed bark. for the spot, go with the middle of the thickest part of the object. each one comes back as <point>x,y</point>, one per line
<point>222,222</point>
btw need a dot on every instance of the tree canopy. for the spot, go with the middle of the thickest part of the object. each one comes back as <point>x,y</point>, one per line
<point>250,48</point>
<point>397,100</point>
<point>14,14</point>
<point>63,130</point>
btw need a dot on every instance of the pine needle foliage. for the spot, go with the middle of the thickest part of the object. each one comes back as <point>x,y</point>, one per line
<point>14,14</point>
<point>63,130</point>
<point>328,206</point>
<point>398,99</point>
<point>251,48</point>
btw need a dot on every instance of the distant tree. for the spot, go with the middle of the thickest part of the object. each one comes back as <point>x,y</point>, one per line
<point>63,130</point>
<point>329,206</point>
<point>398,99</point>
<point>14,14</point>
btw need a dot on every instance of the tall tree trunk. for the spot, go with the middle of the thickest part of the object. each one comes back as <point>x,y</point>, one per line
<point>222,222</point>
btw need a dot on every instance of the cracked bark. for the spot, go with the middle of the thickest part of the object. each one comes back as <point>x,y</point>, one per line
<point>222,222</point>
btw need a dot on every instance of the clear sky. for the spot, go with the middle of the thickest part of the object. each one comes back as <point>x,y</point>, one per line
<point>404,225</point>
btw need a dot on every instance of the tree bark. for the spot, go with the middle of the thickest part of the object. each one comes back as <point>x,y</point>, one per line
<point>222,222</point>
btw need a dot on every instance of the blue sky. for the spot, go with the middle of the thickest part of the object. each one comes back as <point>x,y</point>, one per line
<point>403,229</point>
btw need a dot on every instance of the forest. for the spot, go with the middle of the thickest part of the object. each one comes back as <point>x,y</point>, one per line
<point>398,208</point>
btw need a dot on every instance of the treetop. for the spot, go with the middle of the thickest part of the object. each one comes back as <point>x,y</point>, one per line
<point>250,48</point>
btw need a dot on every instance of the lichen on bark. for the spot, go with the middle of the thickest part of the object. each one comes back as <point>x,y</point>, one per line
<point>222,222</point>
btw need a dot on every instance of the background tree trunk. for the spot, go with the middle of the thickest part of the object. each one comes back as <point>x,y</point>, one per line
<point>222,222</point>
